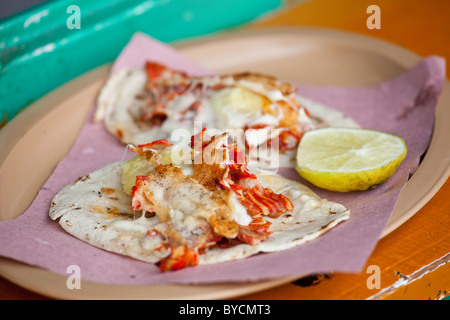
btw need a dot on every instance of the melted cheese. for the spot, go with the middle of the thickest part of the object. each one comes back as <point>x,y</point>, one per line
<point>141,224</point>
<point>181,198</point>
<point>240,212</point>
<point>229,108</point>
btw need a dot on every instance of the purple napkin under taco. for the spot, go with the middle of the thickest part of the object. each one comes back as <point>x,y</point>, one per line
<point>404,106</point>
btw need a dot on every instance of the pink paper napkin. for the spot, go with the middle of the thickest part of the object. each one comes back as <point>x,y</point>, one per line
<point>404,106</point>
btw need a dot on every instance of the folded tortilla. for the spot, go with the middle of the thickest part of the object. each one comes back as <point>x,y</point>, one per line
<point>96,209</point>
<point>138,105</point>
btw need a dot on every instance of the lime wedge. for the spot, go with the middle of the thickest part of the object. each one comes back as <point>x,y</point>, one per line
<point>347,159</point>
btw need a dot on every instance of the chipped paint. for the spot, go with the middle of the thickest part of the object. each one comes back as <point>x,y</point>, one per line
<point>35,18</point>
<point>405,280</point>
<point>37,39</point>
<point>47,48</point>
<point>144,7</point>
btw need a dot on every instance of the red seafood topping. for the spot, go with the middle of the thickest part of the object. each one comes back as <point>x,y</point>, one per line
<point>229,174</point>
<point>154,70</point>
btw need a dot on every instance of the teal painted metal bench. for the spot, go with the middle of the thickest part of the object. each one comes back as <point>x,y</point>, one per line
<point>50,44</point>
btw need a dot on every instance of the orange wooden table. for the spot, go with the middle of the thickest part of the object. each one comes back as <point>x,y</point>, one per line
<point>412,259</point>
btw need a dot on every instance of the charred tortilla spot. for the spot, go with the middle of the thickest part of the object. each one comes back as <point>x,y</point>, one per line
<point>113,210</point>
<point>83,178</point>
<point>292,223</point>
<point>97,209</point>
<point>108,190</point>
